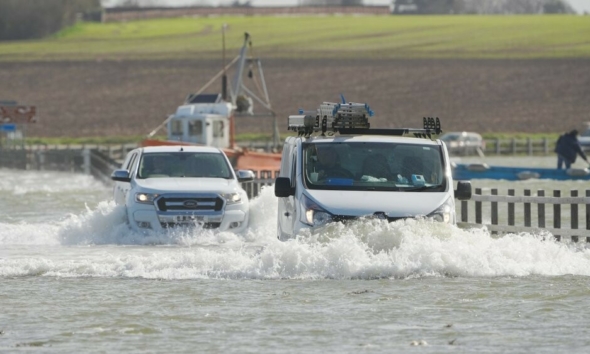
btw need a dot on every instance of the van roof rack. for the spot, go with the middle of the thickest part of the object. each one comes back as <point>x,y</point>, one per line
<point>352,119</point>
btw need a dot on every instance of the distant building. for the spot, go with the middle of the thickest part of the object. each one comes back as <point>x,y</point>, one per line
<point>403,7</point>
<point>330,2</point>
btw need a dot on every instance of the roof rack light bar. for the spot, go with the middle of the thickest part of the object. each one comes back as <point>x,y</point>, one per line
<point>353,119</point>
<point>331,117</point>
<point>431,127</point>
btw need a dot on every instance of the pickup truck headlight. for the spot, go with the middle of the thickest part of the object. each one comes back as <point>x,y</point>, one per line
<point>313,214</point>
<point>145,198</point>
<point>232,198</point>
<point>444,212</point>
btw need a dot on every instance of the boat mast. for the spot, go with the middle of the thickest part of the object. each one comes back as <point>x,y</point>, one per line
<point>224,77</point>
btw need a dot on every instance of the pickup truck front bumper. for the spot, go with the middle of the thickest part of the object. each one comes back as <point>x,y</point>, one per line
<point>208,211</point>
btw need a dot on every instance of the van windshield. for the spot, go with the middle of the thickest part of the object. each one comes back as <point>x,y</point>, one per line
<point>373,166</point>
<point>183,164</point>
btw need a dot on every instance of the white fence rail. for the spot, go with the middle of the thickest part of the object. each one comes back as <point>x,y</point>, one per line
<point>518,213</point>
<point>527,146</point>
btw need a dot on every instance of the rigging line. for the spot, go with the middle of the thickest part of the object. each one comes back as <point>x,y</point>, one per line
<point>257,84</point>
<point>265,105</point>
<point>263,82</point>
<point>254,58</point>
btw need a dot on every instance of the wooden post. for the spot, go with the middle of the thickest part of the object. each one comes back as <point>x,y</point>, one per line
<point>513,145</point>
<point>557,214</point>
<point>86,164</point>
<point>464,216</point>
<point>494,210</point>
<point>511,209</point>
<point>541,210</point>
<point>574,215</point>
<point>478,208</point>
<point>497,141</point>
<point>527,209</point>
<point>529,145</point>
<point>545,146</point>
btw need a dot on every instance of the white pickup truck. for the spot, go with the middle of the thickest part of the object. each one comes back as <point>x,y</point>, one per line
<point>170,186</point>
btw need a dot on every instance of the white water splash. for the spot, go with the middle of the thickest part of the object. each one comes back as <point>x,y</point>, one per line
<point>98,243</point>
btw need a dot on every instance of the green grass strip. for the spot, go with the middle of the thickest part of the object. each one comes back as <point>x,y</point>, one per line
<point>460,37</point>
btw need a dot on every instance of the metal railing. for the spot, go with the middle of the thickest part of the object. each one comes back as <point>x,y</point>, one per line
<point>526,146</point>
<point>100,165</point>
<point>58,157</point>
<point>514,214</point>
<point>263,178</point>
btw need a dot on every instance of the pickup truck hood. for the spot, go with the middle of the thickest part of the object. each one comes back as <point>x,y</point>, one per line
<point>187,185</point>
<point>394,204</point>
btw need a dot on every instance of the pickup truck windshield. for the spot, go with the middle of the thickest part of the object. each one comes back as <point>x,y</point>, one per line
<point>374,166</point>
<point>183,164</point>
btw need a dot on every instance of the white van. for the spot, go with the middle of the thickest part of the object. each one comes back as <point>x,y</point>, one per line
<point>352,171</point>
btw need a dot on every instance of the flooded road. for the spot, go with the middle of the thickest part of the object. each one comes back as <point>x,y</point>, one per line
<point>75,278</point>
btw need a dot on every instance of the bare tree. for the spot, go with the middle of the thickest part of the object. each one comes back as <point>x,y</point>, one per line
<point>24,19</point>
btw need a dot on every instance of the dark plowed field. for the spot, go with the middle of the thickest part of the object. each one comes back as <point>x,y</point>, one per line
<point>77,99</point>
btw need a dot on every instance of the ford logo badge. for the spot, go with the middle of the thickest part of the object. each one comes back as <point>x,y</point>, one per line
<point>190,204</point>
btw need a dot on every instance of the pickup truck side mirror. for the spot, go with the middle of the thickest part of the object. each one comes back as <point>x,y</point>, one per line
<point>463,191</point>
<point>121,176</point>
<point>283,187</point>
<point>245,176</point>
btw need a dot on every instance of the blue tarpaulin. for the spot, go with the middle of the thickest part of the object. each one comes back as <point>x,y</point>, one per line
<point>8,127</point>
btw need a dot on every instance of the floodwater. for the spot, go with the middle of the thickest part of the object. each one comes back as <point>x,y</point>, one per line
<point>74,278</point>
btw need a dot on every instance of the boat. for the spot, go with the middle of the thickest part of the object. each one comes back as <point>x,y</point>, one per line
<point>484,171</point>
<point>209,119</point>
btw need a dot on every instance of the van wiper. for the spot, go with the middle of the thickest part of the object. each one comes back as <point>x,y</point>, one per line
<point>383,189</point>
<point>422,188</point>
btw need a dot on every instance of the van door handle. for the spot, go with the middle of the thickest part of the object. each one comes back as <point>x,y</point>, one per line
<point>287,214</point>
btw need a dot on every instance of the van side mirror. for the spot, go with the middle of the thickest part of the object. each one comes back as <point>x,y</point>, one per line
<point>283,187</point>
<point>121,176</point>
<point>463,191</point>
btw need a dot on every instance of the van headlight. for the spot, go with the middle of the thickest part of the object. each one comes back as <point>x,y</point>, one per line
<point>313,214</point>
<point>443,213</point>
<point>232,198</point>
<point>145,198</point>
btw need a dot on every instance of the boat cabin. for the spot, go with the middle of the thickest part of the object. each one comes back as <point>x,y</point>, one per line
<point>203,120</point>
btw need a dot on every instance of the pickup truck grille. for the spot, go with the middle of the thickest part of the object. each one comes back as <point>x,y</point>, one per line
<point>190,209</point>
<point>207,225</point>
<point>189,203</point>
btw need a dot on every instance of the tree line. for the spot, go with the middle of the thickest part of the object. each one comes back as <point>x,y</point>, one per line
<point>27,19</point>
